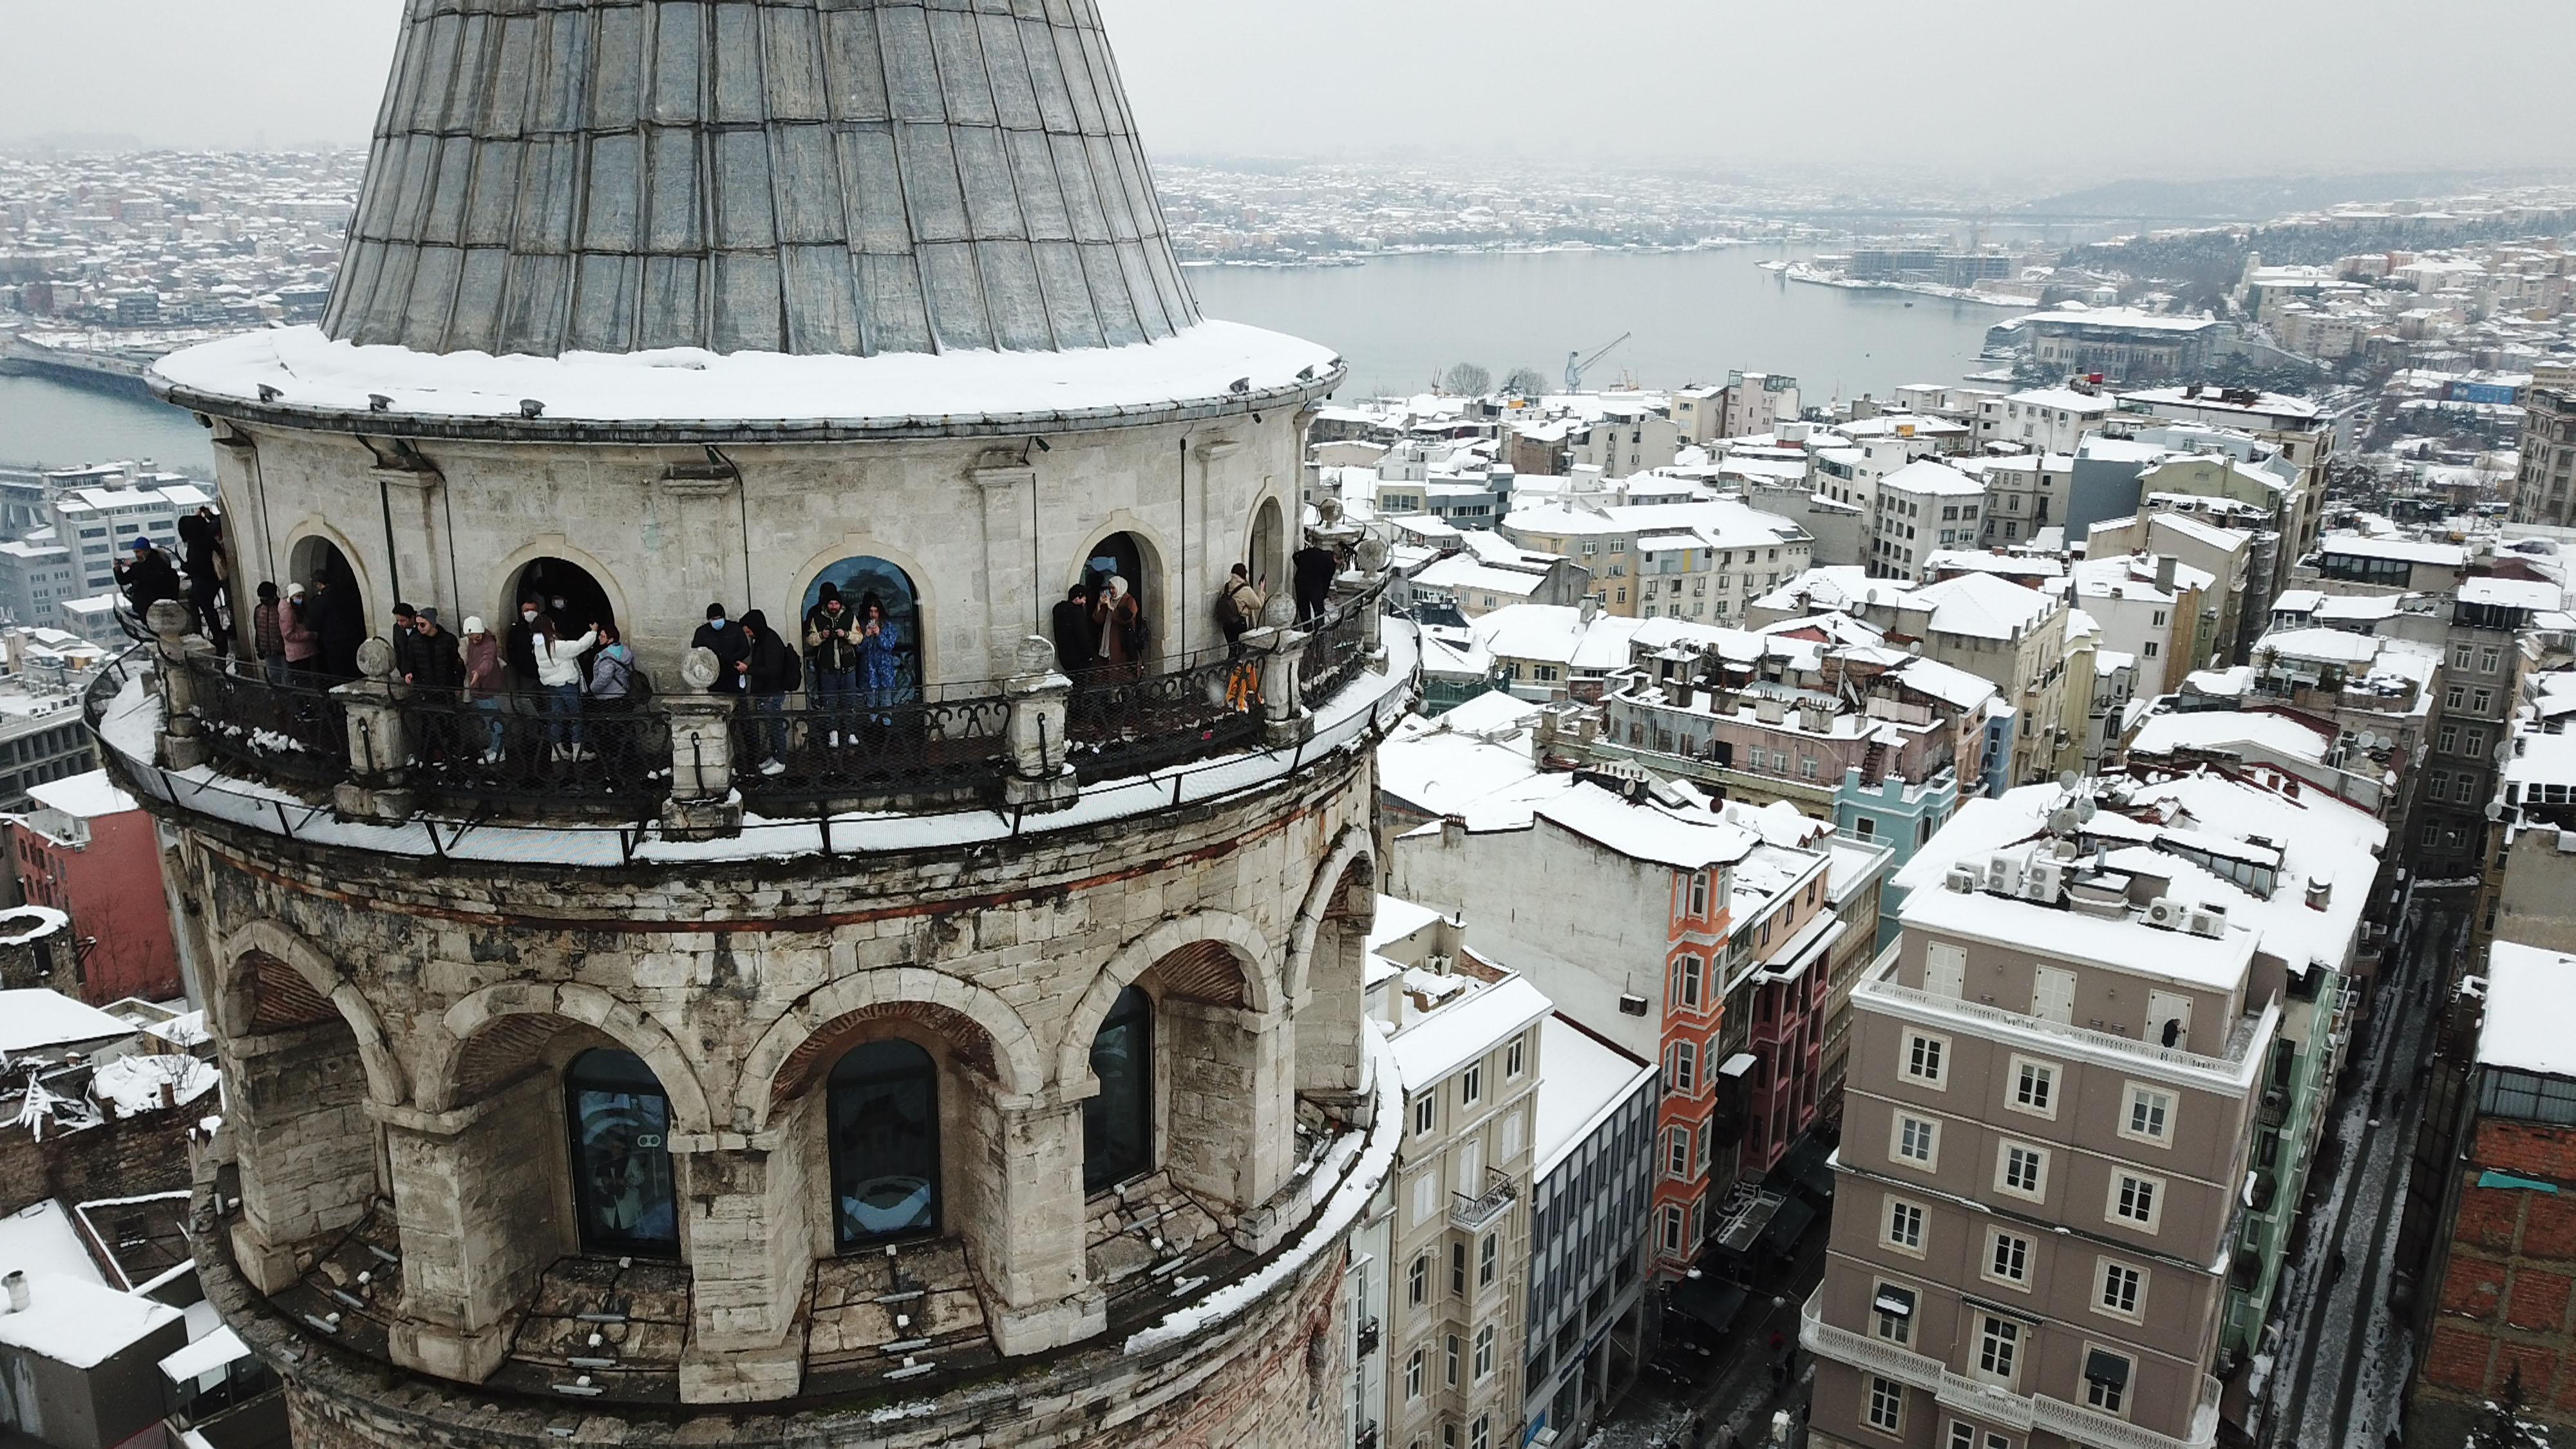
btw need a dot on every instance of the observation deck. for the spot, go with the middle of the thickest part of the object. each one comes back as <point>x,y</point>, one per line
<point>379,767</point>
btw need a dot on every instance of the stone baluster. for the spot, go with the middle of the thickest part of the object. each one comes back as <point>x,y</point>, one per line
<point>703,805</point>
<point>184,658</point>
<point>379,783</point>
<point>1280,646</point>
<point>1040,700</point>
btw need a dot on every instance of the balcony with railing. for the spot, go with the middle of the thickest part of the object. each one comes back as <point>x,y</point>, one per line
<point>414,770</point>
<point>1475,1214</point>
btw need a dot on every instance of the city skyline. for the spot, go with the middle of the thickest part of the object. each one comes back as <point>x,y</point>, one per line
<point>1442,78</point>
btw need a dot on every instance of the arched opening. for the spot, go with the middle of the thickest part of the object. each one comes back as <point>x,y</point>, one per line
<point>1264,559</point>
<point>1329,1020</point>
<point>892,673</point>
<point>624,1198</point>
<point>1127,556</point>
<point>1118,1120</point>
<point>309,1161</point>
<point>335,606</point>
<point>567,591</point>
<point>884,1131</point>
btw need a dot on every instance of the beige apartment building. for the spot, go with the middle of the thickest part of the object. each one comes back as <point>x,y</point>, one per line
<point>2052,1094</point>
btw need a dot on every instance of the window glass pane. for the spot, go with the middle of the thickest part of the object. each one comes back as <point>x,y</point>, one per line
<point>1118,1122</point>
<point>621,1124</point>
<point>885,1143</point>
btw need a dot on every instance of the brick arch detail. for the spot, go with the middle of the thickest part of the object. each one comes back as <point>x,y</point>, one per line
<point>967,1041</point>
<point>277,955</point>
<point>1327,899</point>
<point>1015,1062</point>
<point>1238,940</point>
<point>442,1066</point>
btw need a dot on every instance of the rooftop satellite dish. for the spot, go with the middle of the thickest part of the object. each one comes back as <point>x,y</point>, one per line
<point>2366,740</point>
<point>2067,780</point>
<point>2084,809</point>
<point>2062,822</point>
<point>2495,809</point>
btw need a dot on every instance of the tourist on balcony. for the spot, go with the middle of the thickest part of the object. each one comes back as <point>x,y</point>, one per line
<point>1074,644</point>
<point>1119,626</point>
<point>337,619</point>
<point>202,538</point>
<point>487,684</point>
<point>722,638</point>
<point>519,649</point>
<point>437,672</point>
<point>559,680</point>
<point>832,647</point>
<point>147,578</point>
<point>768,673</point>
<point>880,649</point>
<point>1312,570</point>
<point>406,641</point>
<point>612,693</point>
<point>302,643</point>
<point>268,635</point>
<point>1238,612</point>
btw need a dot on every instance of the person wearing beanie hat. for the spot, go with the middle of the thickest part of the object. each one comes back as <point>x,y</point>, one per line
<point>302,643</point>
<point>487,684</point>
<point>724,639</point>
<point>148,578</point>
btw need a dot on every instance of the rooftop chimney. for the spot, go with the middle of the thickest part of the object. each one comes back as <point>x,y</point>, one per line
<point>16,1283</point>
<point>2165,573</point>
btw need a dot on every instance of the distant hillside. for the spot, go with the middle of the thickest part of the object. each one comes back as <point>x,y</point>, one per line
<point>2248,198</point>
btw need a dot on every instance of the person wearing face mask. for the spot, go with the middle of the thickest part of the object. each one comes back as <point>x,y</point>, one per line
<point>723,638</point>
<point>519,645</point>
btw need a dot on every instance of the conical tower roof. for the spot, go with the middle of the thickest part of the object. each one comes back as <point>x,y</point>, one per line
<point>793,176</point>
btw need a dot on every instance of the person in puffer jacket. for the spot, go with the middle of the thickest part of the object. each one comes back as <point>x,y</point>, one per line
<point>559,683</point>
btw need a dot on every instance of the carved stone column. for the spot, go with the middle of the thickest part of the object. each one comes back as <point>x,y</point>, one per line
<point>703,805</point>
<point>750,1255</point>
<point>1030,1248</point>
<point>183,658</point>
<point>379,786</point>
<point>1040,777</point>
<point>1280,647</point>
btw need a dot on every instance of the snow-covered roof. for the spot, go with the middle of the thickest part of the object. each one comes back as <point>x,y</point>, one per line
<point>40,1241</point>
<point>2324,646</point>
<point>204,1356</point>
<point>1985,561</point>
<point>2126,317</point>
<point>2065,398</point>
<point>1934,477</point>
<point>1681,837</point>
<point>2512,593</point>
<point>79,1323</point>
<point>83,797</point>
<point>1463,572</point>
<point>2226,730</point>
<point>1978,606</point>
<point>687,389</point>
<point>1428,1048</point>
<point>1718,522</point>
<point>1581,1078</point>
<point>2127,944</point>
<point>2531,1010</point>
<point>33,1017</point>
<point>2401,550</point>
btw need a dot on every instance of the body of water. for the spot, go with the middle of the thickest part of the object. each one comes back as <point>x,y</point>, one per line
<point>58,425</point>
<point>1402,321</point>
<point>1399,322</point>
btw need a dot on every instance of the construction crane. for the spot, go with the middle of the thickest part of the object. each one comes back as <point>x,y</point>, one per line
<point>1576,364</point>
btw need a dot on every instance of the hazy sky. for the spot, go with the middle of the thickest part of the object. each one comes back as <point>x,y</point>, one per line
<point>2001,89</point>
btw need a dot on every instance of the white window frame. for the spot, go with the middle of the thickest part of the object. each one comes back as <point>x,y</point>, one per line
<point>1912,1055</point>
<point>1481,1367</point>
<point>2128,1392</point>
<point>2155,1188</point>
<point>1926,1131</point>
<point>1677,1153</point>
<point>1885,1396</point>
<point>1471,1085</point>
<point>2031,1068</point>
<point>2038,1165</point>
<point>1426,1113</point>
<point>1916,1218</point>
<point>1998,1244</point>
<point>1992,1330</point>
<point>2131,1097</point>
<point>2136,1282</point>
<point>1516,1057</point>
<point>1902,1323</point>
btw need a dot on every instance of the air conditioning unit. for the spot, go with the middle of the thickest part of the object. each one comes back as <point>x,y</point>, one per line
<point>2210,921</point>
<point>1631,1004</point>
<point>2003,873</point>
<point>1964,880</point>
<point>2166,912</point>
<point>2045,880</point>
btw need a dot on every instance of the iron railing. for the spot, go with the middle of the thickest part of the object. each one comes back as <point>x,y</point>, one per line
<point>793,756</point>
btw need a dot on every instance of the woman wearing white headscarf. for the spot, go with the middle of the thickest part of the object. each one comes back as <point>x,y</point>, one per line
<point>1120,627</point>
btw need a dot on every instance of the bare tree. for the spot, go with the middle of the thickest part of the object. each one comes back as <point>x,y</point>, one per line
<point>1525,381</point>
<point>1468,380</point>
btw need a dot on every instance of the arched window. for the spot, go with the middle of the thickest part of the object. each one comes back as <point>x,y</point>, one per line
<point>1118,1121</point>
<point>894,673</point>
<point>621,1158</point>
<point>885,1143</point>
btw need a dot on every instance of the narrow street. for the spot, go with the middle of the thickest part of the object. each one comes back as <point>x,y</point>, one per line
<point>1730,1384</point>
<point>2343,1359</point>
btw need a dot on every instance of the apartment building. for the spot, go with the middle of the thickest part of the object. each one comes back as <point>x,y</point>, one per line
<point>1637,909</point>
<point>2045,419</point>
<point>1594,1175</point>
<point>1700,560</point>
<point>1466,1042</point>
<point>2012,637</point>
<point>2158,608</point>
<point>2484,656</point>
<point>1918,510</point>
<point>2226,555</point>
<point>2025,492</point>
<point>2542,491</point>
<point>1628,438</point>
<point>2084,1086</point>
